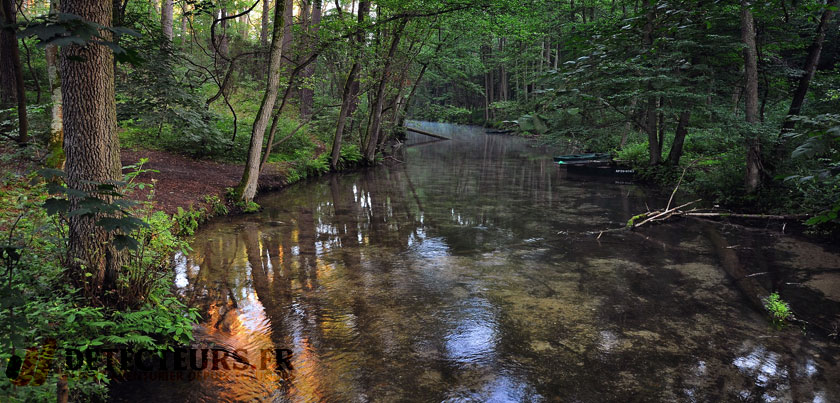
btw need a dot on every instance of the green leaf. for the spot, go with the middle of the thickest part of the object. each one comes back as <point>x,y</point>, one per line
<point>55,206</point>
<point>125,242</point>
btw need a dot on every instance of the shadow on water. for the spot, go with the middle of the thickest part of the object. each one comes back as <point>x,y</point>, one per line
<point>461,276</point>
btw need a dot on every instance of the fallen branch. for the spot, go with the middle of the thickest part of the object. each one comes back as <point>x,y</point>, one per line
<point>736,215</point>
<point>663,215</point>
<point>411,129</point>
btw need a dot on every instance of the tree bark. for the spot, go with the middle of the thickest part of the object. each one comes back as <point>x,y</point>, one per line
<point>351,88</point>
<point>91,146</point>
<point>266,6</point>
<point>679,138</point>
<point>55,146</point>
<point>166,12</point>
<point>307,92</point>
<point>184,17</point>
<point>810,66</point>
<point>752,178</point>
<point>376,121</point>
<point>654,151</point>
<point>247,188</point>
<point>288,16</point>
<point>12,90</point>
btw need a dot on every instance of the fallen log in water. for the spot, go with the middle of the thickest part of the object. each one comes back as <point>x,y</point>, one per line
<point>425,133</point>
<point>736,215</point>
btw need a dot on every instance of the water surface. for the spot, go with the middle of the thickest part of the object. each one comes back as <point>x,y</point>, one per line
<point>464,274</point>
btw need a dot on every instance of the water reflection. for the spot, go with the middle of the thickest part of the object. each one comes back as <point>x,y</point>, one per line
<point>457,277</point>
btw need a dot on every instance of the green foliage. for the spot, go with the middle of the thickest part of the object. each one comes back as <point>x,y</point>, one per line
<point>778,309</point>
<point>217,205</point>
<point>39,303</point>
<point>62,29</point>
<point>187,221</point>
<point>249,207</point>
<point>635,154</point>
<point>350,154</point>
<point>443,113</point>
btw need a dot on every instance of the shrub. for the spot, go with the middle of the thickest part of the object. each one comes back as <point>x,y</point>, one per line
<point>778,309</point>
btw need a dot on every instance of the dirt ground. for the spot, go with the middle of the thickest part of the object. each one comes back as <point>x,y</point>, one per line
<point>181,181</point>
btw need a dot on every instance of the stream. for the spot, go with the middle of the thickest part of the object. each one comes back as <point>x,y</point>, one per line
<point>464,272</point>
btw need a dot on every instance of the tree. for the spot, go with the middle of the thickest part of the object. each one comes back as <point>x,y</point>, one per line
<point>266,7</point>
<point>351,87</point>
<point>247,188</point>
<point>55,148</point>
<point>306,92</point>
<point>651,128</point>
<point>810,65</point>
<point>166,12</point>
<point>12,90</point>
<point>752,178</point>
<point>91,146</point>
<point>376,113</point>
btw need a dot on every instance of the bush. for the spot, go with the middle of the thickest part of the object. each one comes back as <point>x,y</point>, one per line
<point>778,309</point>
<point>40,304</point>
<point>635,154</point>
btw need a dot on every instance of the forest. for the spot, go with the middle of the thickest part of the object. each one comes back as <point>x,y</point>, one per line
<point>737,101</point>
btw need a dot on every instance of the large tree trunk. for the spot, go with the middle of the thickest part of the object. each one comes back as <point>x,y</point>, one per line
<point>91,146</point>
<point>55,147</point>
<point>376,121</point>
<point>247,188</point>
<point>307,92</point>
<point>12,90</point>
<point>752,178</point>
<point>810,66</point>
<point>166,20</point>
<point>351,88</point>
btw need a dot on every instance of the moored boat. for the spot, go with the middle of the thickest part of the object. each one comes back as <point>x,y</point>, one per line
<point>584,159</point>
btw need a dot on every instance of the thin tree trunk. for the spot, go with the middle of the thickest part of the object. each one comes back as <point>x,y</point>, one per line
<point>810,66</point>
<point>62,391</point>
<point>244,21</point>
<point>503,80</point>
<point>629,125</point>
<point>247,188</point>
<point>376,122</point>
<point>307,92</point>
<point>32,72</point>
<point>12,90</point>
<point>410,96</point>
<point>55,147</point>
<point>752,178</point>
<point>183,32</point>
<point>91,146</point>
<point>266,6</point>
<point>166,13</point>
<point>654,151</point>
<point>350,92</point>
<point>661,125</point>
<point>679,138</point>
<point>288,16</point>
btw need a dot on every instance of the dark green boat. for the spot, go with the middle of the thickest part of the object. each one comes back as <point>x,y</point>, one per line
<point>584,159</point>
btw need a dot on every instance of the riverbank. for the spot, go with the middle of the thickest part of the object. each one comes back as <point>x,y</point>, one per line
<point>186,192</point>
<point>182,181</point>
